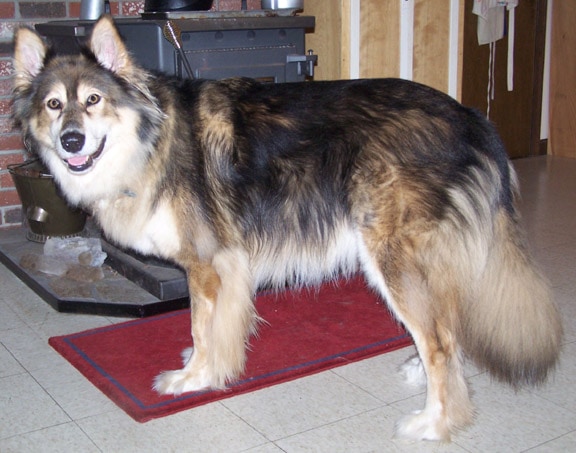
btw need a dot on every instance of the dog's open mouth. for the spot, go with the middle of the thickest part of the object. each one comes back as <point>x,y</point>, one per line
<point>79,164</point>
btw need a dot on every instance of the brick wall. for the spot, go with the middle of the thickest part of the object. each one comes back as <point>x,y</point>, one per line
<point>13,13</point>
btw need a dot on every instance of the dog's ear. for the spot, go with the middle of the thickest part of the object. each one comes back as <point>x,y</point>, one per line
<point>29,54</point>
<point>106,44</point>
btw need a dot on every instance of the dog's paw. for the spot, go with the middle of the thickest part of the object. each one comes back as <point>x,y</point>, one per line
<point>413,372</point>
<point>180,381</point>
<point>422,426</point>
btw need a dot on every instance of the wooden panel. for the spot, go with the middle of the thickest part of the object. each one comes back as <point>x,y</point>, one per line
<point>379,38</point>
<point>328,38</point>
<point>562,135</point>
<point>431,41</point>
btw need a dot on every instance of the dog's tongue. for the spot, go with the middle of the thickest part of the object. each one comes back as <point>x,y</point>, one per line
<point>78,161</point>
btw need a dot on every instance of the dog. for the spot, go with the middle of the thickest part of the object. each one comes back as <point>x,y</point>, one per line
<point>246,185</point>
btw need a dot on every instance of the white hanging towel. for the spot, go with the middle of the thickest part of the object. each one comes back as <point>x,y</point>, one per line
<point>491,15</point>
<point>490,20</point>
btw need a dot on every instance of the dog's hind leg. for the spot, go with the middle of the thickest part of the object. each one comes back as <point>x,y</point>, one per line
<point>223,318</point>
<point>394,266</point>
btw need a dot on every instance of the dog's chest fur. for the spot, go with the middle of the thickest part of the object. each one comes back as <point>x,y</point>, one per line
<point>129,221</point>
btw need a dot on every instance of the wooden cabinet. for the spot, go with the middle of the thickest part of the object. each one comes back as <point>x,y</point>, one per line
<point>562,139</point>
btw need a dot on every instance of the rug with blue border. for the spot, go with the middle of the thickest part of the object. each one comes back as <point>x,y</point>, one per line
<point>306,331</point>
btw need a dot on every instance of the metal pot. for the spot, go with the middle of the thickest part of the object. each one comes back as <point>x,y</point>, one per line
<point>153,6</point>
<point>282,4</point>
<point>46,212</point>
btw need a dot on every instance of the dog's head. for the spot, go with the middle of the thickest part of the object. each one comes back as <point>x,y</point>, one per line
<point>76,111</point>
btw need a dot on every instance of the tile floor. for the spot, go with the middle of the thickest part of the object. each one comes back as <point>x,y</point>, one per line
<point>47,406</point>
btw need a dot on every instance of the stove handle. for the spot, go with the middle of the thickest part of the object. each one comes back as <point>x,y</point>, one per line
<point>305,63</point>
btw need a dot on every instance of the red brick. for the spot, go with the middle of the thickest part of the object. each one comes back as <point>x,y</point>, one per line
<point>7,125</point>
<point>115,8</point>
<point>9,198</point>
<point>236,5</point>
<point>9,159</point>
<point>7,10</point>
<point>35,10</point>
<point>254,4</point>
<point>5,86</point>
<point>6,181</point>
<point>132,8</point>
<point>12,216</point>
<point>227,5</point>
<point>11,142</point>
<point>6,67</point>
<point>5,107</point>
<point>74,9</point>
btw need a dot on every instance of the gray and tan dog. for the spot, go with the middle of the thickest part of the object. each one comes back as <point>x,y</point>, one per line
<point>244,184</point>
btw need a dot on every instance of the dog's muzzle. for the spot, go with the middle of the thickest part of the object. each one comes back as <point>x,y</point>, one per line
<point>73,142</point>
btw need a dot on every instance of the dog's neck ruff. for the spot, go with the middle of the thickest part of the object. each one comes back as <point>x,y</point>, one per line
<point>81,164</point>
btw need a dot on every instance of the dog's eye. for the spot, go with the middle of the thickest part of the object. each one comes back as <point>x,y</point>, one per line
<point>93,99</point>
<point>54,104</point>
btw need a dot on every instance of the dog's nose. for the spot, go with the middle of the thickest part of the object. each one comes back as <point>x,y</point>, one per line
<point>72,141</point>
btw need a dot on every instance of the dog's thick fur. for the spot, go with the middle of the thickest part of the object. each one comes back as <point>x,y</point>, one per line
<point>244,184</point>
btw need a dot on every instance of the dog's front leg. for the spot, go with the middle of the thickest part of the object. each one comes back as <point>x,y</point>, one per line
<point>223,318</point>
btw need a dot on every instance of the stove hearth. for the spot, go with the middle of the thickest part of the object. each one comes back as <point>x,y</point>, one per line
<point>129,285</point>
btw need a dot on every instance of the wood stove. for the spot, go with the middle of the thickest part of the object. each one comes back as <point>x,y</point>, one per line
<point>258,44</point>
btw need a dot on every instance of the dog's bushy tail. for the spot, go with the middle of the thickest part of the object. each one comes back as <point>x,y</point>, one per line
<point>511,326</point>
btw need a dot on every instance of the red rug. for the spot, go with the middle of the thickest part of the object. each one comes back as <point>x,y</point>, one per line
<point>308,331</point>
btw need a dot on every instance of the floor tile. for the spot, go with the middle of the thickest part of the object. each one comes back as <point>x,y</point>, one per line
<point>67,323</point>
<point>210,428</point>
<point>562,444</point>
<point>266,448</point>
<point>75,394</point>
<point>9,366</point>
<point>312,401</point>
<point>8,318</point>
<point>26,407</point>
<point>558,264</point>
<point>65,438</point>
<point>29,349</point>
